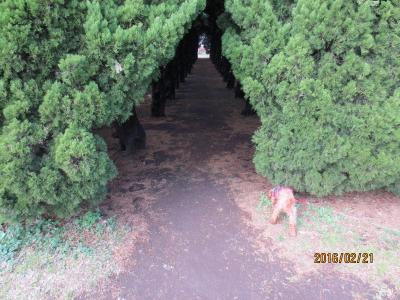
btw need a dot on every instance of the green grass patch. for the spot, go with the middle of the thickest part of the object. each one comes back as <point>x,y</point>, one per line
<point>44,259</point>
<point>52,236</point>
<point>264,202</point>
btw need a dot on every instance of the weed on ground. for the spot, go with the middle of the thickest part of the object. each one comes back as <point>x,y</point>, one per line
<point>54,259</point>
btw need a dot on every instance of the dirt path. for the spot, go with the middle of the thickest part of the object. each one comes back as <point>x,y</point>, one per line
<point>198,245</point>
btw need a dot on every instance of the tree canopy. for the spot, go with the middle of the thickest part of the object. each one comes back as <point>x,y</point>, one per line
<point>66,68</point>
<point>322,75</point>
<point>324,79</point>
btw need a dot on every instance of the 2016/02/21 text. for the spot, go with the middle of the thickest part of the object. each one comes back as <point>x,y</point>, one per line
<point>343,257</point>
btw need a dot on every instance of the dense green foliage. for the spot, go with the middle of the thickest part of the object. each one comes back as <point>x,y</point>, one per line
<point>324,77</point>
<point>66,68</point>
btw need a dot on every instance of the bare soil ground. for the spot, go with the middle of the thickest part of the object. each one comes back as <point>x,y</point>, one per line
<point>204,232</point>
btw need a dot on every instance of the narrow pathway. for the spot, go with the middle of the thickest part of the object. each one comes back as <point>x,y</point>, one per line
<point>198,245</point>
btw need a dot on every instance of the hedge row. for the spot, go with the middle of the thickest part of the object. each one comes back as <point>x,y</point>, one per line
<point>66,68</point>
<point>324,78</point>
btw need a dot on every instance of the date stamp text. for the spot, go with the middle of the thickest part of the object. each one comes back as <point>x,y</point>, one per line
<point>343,257</point>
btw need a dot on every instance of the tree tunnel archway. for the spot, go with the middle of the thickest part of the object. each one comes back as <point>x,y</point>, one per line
<point>318,96</point>
<point>175,71</point>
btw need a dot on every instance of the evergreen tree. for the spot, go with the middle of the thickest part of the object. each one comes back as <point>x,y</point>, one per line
<point>325,84</point>
<point>67,68</point>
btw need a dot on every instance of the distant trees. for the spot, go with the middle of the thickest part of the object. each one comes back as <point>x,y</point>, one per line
<point>66,68</point>
<point>324,77</point>
<point>174,72</point>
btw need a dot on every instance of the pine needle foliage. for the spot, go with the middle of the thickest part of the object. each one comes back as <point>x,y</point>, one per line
<point>324,77</point>
<point>66,69</point>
